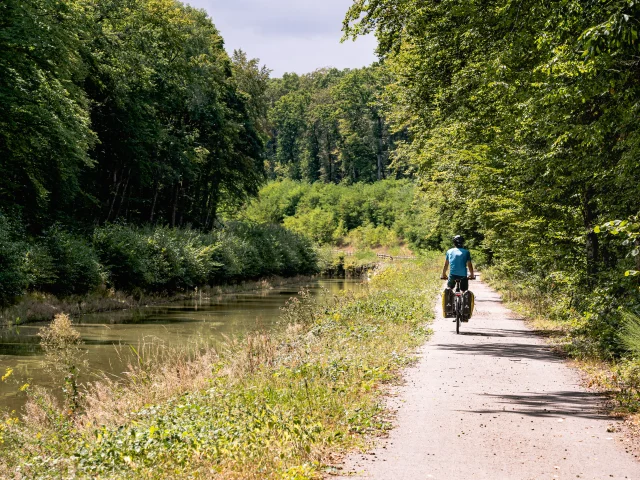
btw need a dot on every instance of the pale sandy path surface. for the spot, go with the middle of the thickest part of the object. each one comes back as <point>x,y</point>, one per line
<point>494,403</point>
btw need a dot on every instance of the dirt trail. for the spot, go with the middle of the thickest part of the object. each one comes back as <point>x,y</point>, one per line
<point>494,403</point>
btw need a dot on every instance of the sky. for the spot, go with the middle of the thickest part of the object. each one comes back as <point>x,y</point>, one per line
<point>289,35</point>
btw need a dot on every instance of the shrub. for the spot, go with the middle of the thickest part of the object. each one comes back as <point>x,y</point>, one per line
<point>251,250</point>
<point>317,224</point>
<point>180,259</point>
<point>125,254</point>
<point>368,236</point>
<point>39,267</point>
<point>384,213</point>
<point>156,259</point>
<point>630,334</point>
<point>75,269</point>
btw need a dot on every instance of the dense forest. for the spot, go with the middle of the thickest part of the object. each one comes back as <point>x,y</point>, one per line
<point>128,133</point>
<point>330,126</point>
<point>523,124</point>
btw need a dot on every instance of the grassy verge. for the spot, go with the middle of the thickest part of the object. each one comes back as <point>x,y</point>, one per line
<point>269,406</point>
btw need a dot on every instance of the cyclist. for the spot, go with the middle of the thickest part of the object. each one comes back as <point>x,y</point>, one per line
<point>457,260</point>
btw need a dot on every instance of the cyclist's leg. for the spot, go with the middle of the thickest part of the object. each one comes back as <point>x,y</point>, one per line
<point>452,281</point>
<point>464,284</point>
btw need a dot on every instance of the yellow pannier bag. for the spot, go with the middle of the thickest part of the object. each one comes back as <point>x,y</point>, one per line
<point>447,303</point>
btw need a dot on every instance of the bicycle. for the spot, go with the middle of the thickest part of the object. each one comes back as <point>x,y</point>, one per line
<point>458,305</point>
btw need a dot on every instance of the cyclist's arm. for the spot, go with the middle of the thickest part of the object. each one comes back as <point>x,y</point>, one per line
<point>470,267</point>
<point>445,269</point>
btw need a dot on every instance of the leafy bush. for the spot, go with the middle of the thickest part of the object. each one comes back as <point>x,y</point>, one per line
<point>180,259</point>
<point>125,254</point>
<point>317,224</point>
<point>155,259</point>
<point>630,335</point>
<point>251,250</point>
<point>39,267</point>
<point>368,236</point>
<point>148,259</point>
<point>74,267</point>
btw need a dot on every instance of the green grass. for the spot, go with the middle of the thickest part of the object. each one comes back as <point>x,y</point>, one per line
<point>268,406</point>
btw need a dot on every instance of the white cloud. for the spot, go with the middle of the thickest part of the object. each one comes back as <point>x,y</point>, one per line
<point>287,35</point>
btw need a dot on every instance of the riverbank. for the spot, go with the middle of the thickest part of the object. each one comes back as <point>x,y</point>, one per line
<point>269,406</point>
<point>42,307</point>
<point>142,262</point>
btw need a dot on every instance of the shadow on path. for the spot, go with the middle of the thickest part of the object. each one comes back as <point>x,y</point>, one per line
<point>503,350</point>
<point>503,333</point>
<point>554,404</point>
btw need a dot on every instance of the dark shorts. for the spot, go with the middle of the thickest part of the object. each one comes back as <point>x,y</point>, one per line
<point>464,284</point>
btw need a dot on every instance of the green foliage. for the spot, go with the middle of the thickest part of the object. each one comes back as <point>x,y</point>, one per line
<point>252,250</point>
<point>124,110</point>
<point>384,213</point>
<point>317,224</point>
<point>74,267</point>
<point>45,131</point>
<point>630,335</point>
<point>630,230</point>
<point>163,259</point>
<point>126,254</point>
<point>155,259</point>
<point>147,259</point>
<point>368,236</point>
<point>12,277</point>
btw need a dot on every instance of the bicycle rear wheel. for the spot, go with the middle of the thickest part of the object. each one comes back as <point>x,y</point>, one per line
<point>458,315</point>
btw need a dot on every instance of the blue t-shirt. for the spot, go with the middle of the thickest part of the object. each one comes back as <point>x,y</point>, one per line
<point>458,258</point>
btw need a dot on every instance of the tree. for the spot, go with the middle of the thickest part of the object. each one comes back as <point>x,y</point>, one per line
<point>45,131</point>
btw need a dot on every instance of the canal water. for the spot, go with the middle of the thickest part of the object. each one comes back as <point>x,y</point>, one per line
<point>110,338</point>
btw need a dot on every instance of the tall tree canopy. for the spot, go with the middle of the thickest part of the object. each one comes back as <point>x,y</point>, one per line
<point>123,110</point>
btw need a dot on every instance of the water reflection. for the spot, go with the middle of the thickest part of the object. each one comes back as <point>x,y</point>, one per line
<point>106,336</point>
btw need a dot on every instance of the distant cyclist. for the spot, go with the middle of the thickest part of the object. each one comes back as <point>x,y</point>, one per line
<point>457,260</point>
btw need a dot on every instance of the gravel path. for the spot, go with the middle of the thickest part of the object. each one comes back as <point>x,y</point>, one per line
<point>494,403</point>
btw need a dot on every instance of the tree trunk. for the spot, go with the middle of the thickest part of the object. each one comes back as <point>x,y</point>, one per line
<point>175,205</point>
<point>591,245</point>
<point>379,152</point>
<point>124,192</point>
<point>155,200</point>
<point>115,195</point>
